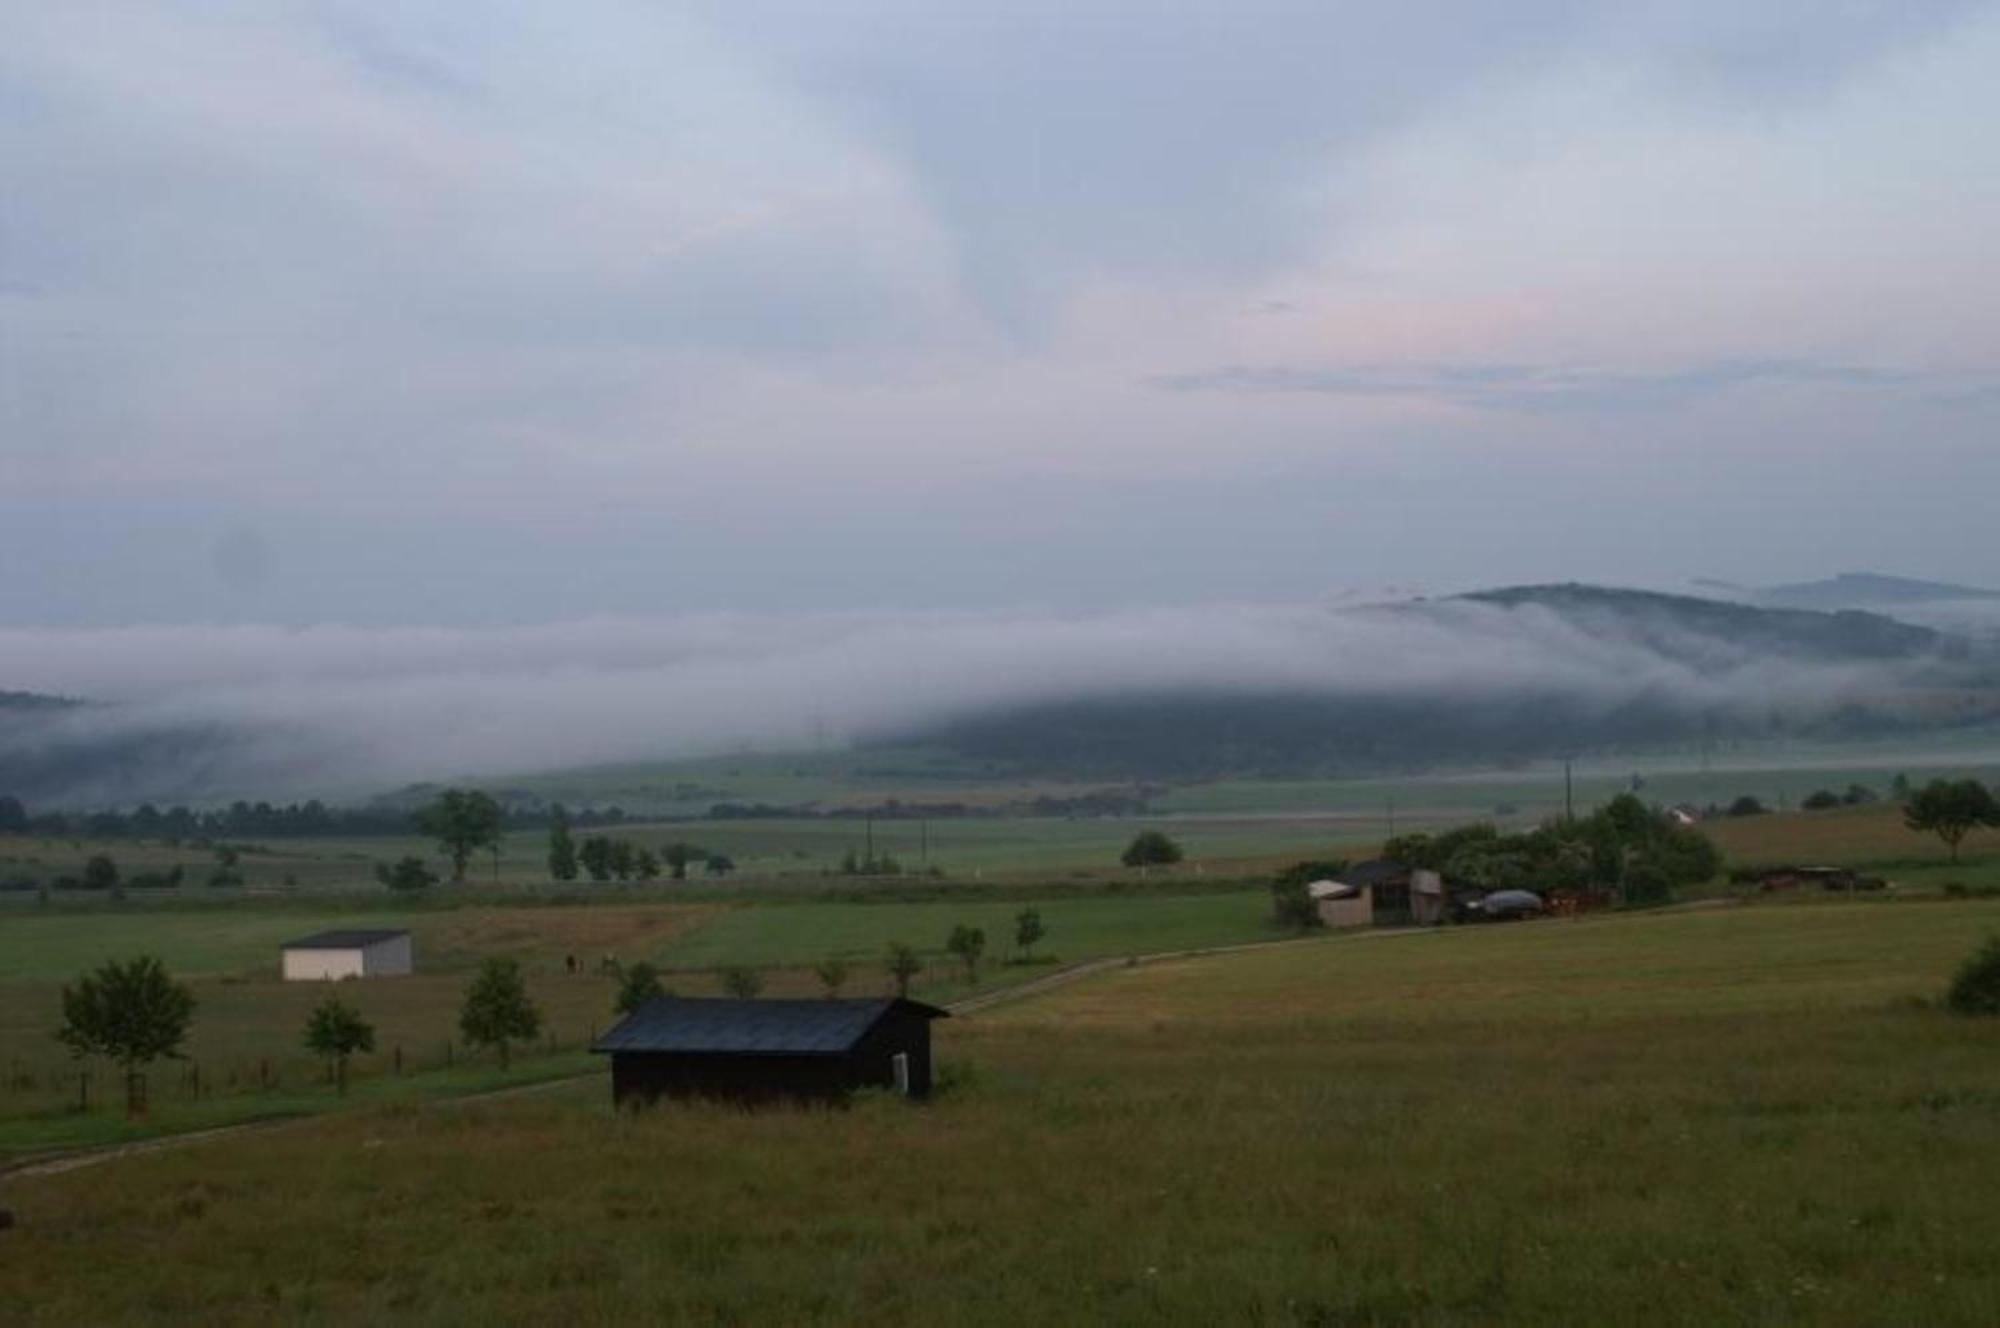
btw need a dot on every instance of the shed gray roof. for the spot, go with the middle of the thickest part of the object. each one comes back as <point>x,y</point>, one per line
<point>355,938</point>
<point>751,1028</point>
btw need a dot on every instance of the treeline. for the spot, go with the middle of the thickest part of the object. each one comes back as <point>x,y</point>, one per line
<point>312,819</point>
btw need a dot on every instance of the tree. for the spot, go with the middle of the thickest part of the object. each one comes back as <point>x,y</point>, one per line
<point>1745,806</point>
<point>497,1010</point>
<point>1821,800</point>
<point>742,981</point>
<point>832,975</point>
<point>1292,904</point>
<point>1899,787</point>
<point>968,943</point>
<point>596,857</point>
<point>1027,929</point>
<point>1149,849</point>
<point>641,983</point>
<point>624,859</point>
<point>409,873</point>
<point>1975,988</point>
<point>719,864</point>
<point>1951,809</point>
<point>562,845</point>
<point>463,822</point>
<point>100,873</point>
<point>903,965</point>
<point>335,1030</point>
<point>645,865</point>
<point>131,1013</point>
<point>678,855</point>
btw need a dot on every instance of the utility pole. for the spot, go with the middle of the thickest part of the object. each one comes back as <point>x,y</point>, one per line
<point>1569,792</point>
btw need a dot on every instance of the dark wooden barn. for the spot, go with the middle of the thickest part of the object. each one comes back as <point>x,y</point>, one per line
<point>758,1051</point>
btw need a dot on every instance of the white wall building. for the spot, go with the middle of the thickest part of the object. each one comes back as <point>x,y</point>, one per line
<point>348,954</point>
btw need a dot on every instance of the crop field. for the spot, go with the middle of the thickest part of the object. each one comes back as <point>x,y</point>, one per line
<point>1748,1114</point>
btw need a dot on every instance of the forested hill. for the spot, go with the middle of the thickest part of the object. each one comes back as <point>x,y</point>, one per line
<point>23,703</point>
<point>1687,628</point>
<point>1586,669</point>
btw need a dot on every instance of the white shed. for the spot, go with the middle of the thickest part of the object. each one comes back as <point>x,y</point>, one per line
<point>348,954</point>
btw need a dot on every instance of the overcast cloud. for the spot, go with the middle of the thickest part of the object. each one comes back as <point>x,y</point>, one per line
<point>448,313</point>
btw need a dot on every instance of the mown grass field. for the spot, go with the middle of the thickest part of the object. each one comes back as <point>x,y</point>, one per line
<point>1722,1116</point>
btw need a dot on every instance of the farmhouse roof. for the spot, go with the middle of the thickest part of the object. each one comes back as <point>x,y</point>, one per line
<point>752,1027</point>
<point>353,938</point>
<point>1375,871</point>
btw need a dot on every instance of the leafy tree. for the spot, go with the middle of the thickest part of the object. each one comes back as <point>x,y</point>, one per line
<point>1859,795</point>
<point>497,1011</point>
<point>640,983</point>
<point>100,873</point>
<point>903,965</point>
<point>719,864</point>
<point>968,943</point>
<point>1292,904</point>
<point>1975,988</point>
<point>742,981</point>
<point>409,873</point>
<point>335,1030</point>
<point>1745,806</point>
<point>1027,929</point>
<point>1150,848</point>
<point>131,1013</point>
<point>624,859</point>
<point>596,856</point>
<point>645,865</point>
<point>1951,809</point>
<point>678,855</point>
<point>832,974</point>
<point>463,822</point>
<point>1899,787</point>
<point>562,845</point>
<point>1820,800</point>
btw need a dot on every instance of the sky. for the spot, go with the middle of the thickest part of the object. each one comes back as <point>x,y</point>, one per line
<point>474,315</point>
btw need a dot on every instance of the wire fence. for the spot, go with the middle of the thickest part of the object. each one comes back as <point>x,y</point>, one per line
<point>34,1088</point>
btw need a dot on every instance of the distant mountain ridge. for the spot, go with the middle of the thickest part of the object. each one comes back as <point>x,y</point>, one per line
<point>1850,590</point>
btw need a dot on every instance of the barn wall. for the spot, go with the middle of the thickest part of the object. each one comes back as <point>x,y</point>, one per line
<point>389,959</point>
<point>317,965</point>
<point>1356,911</point>
<point>897,1031</point>
<point>643,1076</point>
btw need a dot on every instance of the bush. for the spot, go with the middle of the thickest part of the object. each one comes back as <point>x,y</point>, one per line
<point>1745,806</point>
<point>1823,800</point>
<point>1975,988</point>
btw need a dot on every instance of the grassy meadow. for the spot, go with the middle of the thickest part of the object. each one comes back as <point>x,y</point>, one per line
<point>1723,1115</point>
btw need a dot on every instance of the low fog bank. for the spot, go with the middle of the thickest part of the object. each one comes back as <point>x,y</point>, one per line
<point>194,714</point>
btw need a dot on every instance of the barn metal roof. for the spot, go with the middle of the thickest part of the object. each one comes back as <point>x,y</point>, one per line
<point>750,1028</point>
<point>355,938</point>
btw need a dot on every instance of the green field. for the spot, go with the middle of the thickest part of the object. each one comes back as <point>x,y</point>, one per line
<point>1727,1115</point>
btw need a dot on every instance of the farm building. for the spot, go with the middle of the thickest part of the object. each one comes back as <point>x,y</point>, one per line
<point>348,954</point>
<point>1382,892</point>
<point>756,1050</point>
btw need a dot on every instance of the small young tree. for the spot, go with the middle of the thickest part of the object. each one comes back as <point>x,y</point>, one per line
<point>641,983</point>
<point>1951,809</point>
<point>335,1031</point>
<point>832,975</point>
<point>1150,848</point>
<point>463,822</point>
<point>100,873</point>
<point>131,1013</point>
<point>596,855</point>
<point>1975,988</point>
<point>409,873</point>
<point>903,965</point>
<point>742,981</point>
<point>645,865</point>
<point>497,1011</point>
<point>678,855</point>
<point>562,845</point>
<point>719,864</point>
<point>968,943</point>
<point>1027,930</point>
